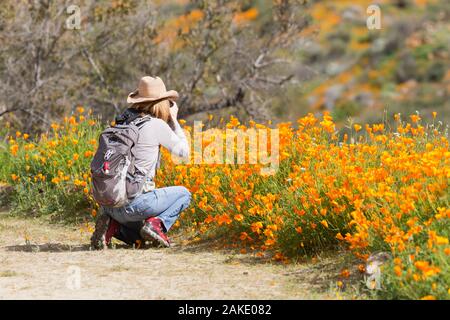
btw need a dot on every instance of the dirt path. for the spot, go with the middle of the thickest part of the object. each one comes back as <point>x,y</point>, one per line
<point>43,261</point>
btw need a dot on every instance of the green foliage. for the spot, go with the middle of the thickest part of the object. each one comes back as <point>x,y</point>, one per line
<point>50,174</point>
<point>345,110</point>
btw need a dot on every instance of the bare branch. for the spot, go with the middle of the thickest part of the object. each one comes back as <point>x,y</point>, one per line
<point>224,103</point>
<point>276,81</point>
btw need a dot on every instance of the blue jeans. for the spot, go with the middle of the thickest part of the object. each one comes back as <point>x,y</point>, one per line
<point>164,203</point>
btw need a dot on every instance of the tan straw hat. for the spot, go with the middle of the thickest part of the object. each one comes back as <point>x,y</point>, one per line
<point>151,89</point>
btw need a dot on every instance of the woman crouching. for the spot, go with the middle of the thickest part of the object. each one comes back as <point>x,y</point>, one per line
<point>151,214</point>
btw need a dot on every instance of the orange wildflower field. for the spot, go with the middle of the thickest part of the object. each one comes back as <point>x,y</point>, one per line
<point>365,188</point>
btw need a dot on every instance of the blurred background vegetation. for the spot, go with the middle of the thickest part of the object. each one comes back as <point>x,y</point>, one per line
<point>257,59</point>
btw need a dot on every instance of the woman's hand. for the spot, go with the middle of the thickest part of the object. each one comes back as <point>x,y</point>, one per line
<point>174,110</point>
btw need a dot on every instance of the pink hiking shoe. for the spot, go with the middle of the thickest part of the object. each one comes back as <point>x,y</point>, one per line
<point>153,230</point>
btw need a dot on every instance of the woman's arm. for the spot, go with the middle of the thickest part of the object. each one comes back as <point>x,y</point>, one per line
<point>174,140</point>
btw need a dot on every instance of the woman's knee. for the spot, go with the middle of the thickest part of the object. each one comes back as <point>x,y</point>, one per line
<point>186,194</point>
<point>184,191</point>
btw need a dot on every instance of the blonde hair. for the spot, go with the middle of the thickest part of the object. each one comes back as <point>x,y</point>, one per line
<point>160,109</point>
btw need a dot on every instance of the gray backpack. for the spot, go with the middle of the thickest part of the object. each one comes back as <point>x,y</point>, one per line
<point>115,179</point>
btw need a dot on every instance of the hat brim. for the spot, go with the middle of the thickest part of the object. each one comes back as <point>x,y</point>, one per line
<point>134,97</point>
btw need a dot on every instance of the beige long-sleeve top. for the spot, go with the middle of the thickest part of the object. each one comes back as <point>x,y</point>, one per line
<point>154,133</point>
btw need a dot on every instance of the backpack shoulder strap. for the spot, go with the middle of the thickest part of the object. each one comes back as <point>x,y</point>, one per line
<point>139,122</point>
